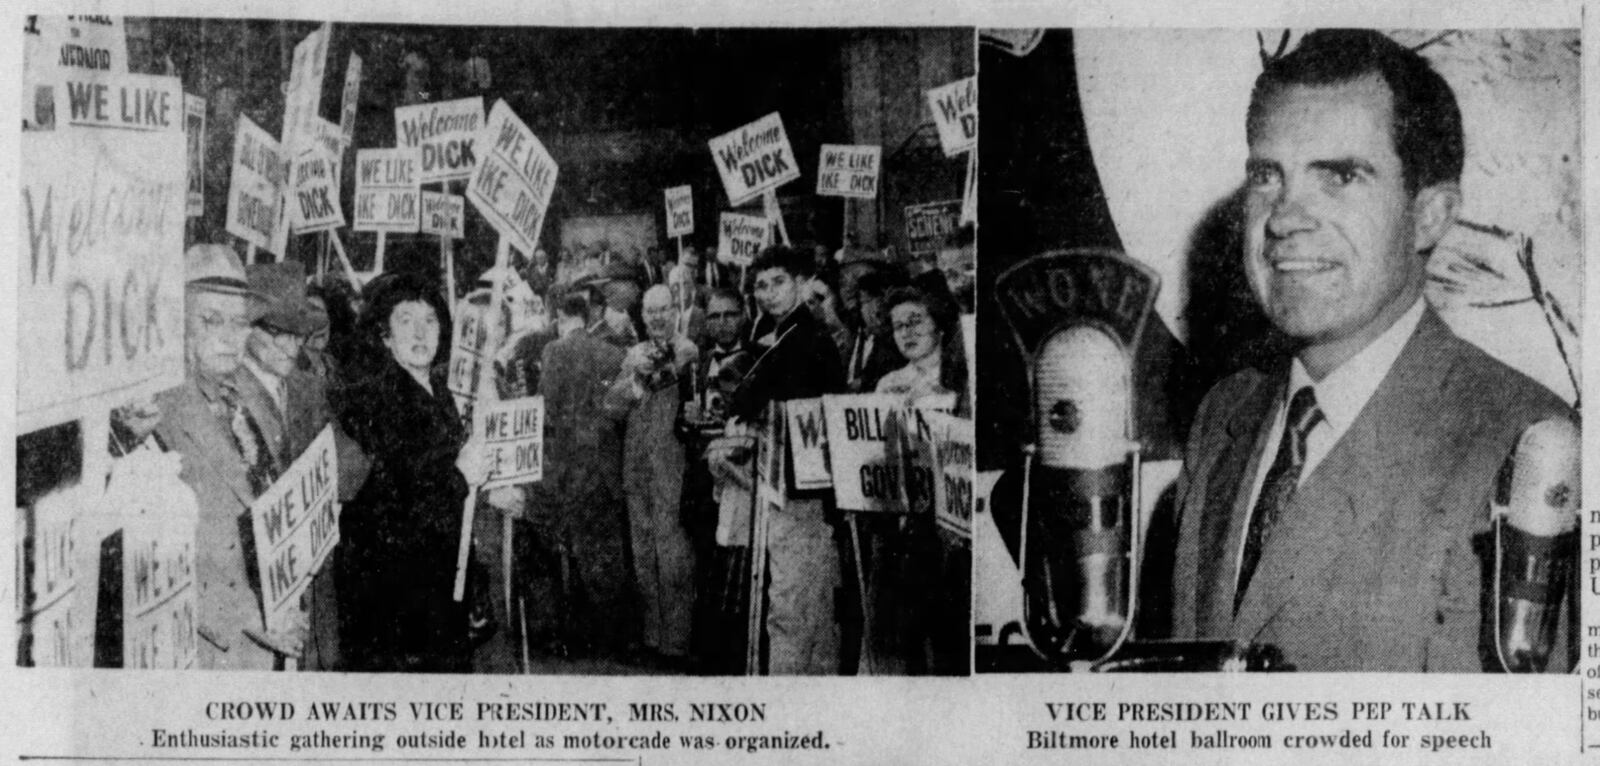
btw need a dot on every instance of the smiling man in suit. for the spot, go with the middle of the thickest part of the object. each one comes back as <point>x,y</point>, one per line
<point>1329,503</point>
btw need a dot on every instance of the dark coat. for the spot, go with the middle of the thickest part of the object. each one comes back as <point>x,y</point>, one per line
<point>585,460</point>
<point>401,532</point>
<point>802,364</point>
<point>1372,566</point>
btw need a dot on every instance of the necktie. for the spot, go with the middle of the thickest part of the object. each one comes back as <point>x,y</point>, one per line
<point>1278,488</point>
<point>248,438</point>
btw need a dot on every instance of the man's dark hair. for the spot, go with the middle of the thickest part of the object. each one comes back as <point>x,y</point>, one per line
<point>1427,122</point>
<point>574,304</point>
<point>724,293</point>
<point>385,295</point>
<point>881,281</point>
<point>797,263</point>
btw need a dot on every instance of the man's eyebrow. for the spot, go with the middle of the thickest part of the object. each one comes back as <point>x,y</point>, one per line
<point>1354,165</point>
<point>1253,164</point>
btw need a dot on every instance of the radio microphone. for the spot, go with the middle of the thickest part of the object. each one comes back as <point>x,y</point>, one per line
<point>1078,570</point>
<point>1535,520</point>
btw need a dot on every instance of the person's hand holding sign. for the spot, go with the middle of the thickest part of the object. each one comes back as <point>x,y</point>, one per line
<point>473,462</point>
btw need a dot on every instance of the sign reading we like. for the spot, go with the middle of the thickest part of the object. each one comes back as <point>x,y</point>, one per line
<point>514,179</point>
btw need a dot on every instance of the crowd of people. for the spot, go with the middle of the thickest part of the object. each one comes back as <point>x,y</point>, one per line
<point>633,551</point>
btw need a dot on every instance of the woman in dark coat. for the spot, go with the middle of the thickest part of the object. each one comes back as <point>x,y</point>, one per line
<point>401,531</point>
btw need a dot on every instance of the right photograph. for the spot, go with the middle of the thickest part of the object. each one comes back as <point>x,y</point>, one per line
<point>1278,332</point>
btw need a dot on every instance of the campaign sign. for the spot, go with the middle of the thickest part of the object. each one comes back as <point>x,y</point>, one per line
<point>465,352</point>
<point>61,587</point>
<point>350,99</point>
<point>808,443</point>
<point>84,43</point>
<point>858,426</point>
<point>513,440</point>
<point>848,171</point>
<point>929,225</point>
<point>388,190</point>
<point>305,89</point>
<point>514,179</point>
<point>680,211</point>
<point>954,468</point>
<point>740,237</point>
<point>136,102</point>
<point>444,134</point>
<point>100,271</point>
<point>296,524</point>
<point>955,114</point>
<point>754,158</point>
<point>256,186</point>
<point>194,131</point>
<point>159,516</point>
<point>314,202</point>
<point>444,214</point>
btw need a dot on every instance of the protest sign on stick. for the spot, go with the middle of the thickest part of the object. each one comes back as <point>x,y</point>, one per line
<point>444,134</point>
<point>513,434</point>
<point>194,130</point>
<point>955,114</point>
<point>808,443</point>
<point>680,211</point>
<point>256,187</point>
<point>954,466</point>
<point>754,159</point>
<point>928,226</point>
<point>443,214</point>
<point>296,526</point>
<point>159,518</point>
<point>100,277</point>
<point>61,588</point>
<point>305,90</point>
<point>314,195</point>
<point>130,102</point>
<point>740,237</point>
<point>514,179</point>
<point>845,170</point>
<point>864,478</point>
<point>388,190</point>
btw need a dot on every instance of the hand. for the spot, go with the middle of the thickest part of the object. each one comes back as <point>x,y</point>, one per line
<point>691,411</point>
<point>473,463</point>
<point>139,418</point>
<point>289,641</point>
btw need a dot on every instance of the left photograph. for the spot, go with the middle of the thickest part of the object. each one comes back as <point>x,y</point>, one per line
<point>395,348</point>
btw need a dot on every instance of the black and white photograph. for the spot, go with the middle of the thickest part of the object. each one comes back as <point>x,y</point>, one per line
<point>438,348</point>
<point>1279,331</point>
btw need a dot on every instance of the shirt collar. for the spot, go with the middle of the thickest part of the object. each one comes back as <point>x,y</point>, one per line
<point>1345,391</point>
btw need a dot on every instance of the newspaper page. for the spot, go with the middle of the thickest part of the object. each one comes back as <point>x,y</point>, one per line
<point>1248,431</point>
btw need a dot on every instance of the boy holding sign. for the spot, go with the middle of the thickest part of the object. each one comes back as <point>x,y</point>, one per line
<point>794,359</point>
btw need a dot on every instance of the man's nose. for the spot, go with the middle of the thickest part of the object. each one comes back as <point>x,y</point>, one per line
<point>1290,211</point>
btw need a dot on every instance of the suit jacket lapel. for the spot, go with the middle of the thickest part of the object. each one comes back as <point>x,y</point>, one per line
<point>214,444</point>
<point>1227,503</point>
<point>1339,506</point>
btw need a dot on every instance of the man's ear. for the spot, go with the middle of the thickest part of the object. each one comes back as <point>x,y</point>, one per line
<point>1433,212</point>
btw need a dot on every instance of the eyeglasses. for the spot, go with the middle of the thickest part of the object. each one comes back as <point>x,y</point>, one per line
<point>910,325</point>
<point>216,321</point>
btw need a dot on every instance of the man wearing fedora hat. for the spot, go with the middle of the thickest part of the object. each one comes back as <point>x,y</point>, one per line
<point>226,461</point>
<point>291,406</point>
